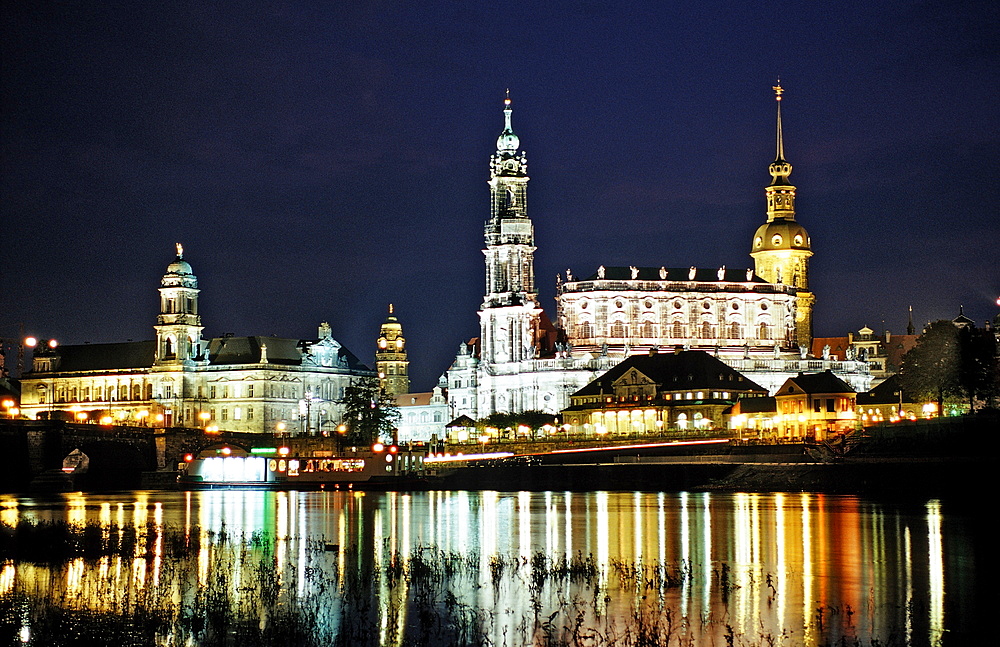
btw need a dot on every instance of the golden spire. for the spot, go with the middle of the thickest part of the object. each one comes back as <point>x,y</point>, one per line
<point>390,308</point>
<point>778,90</point>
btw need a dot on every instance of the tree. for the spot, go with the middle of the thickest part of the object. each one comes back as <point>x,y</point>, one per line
<point>931,369</point>
<point>978,373</point>
<point>949,360</point>
<point>369,413</point>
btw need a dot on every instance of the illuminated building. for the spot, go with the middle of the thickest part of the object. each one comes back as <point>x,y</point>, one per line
<point>390,357</point>
<point>883,353</point>
<point>422,416</point>
<point>257,384</point>
<point>757,320</point>
<point>888,402</point>
<point>815,406</point>
<point>657,392</point>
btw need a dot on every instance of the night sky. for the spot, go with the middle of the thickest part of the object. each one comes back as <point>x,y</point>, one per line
<point>321,160</point>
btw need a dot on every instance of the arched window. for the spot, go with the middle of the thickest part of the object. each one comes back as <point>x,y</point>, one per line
<point>648,330</point>
<point>617,330</point>
<point>678,329</point>
<point>734,330</point>
<point>765,331</point>
<point>706,330</point>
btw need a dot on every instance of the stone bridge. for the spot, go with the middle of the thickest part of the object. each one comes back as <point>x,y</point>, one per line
<point>119,455</point>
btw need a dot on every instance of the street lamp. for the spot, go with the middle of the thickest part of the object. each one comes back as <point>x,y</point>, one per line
<point>204,416</point>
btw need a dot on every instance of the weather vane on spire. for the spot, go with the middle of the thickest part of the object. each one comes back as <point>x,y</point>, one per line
<point>506,100</point>
<point>778,90</point>
<point>180,250</point>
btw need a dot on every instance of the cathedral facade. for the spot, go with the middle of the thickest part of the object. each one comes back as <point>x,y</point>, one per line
<point>254,384</point>
<point>758,320</point>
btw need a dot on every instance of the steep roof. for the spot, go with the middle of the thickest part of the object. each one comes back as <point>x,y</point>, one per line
<point>246,350</point>
<point>825,382</point>
<point>694,369</point>
<point>887,392</point>
<point>105,357</point>
<point>461,421</point>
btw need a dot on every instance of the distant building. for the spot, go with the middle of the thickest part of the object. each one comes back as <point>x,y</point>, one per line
<point>422,416</point>
<point>686,391</point>
<point>815,406</point>
<point>883,353</point>
<point>257,384</point>
<point>758,320</point>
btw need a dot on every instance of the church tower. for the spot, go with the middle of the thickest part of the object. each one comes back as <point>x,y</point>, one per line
<point>781,246</point>
<point>178,326</point>
<point>390,357</point>
<point>510,313</point>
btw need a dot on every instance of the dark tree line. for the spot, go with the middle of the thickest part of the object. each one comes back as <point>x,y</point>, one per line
<point>953,361</point>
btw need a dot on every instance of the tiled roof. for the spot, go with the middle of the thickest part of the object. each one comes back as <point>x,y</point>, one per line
<point>106,357</point>
<point>887,392</point>
<point>825,382</point>
<point>694,369</point>
<point>414,399</point>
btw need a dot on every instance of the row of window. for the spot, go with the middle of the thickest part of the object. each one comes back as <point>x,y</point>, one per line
<point>144,392</point>
<point>648,330</point>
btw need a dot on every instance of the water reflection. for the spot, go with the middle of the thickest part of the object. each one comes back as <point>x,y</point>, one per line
<point>509,568</point>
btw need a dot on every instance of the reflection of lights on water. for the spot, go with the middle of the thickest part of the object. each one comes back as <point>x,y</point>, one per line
<point>935,568</point>
<point>758,535</point>
<point>9,513</point>
<point>7,578</point>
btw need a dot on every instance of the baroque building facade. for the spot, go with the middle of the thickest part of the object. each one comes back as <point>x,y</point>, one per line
<point>254,384</point>
<point>758,320</point>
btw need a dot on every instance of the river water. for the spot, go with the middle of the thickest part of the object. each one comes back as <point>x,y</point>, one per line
<point>497,568</point>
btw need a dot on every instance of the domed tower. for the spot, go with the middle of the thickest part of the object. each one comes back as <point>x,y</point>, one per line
<point>178,326</point>
<point>510,312</point>
<point>781,246</point>
<point>390,357</point>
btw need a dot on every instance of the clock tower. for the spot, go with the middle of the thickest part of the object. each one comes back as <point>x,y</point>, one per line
<point>390,357</point>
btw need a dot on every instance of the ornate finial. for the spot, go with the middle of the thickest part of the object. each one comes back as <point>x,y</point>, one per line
<point>180,250</point>
<point>390,308</point>
<point>508,141</point>
<point>778,90</point>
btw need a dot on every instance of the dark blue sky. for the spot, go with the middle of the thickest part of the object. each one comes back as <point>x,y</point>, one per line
<point>320,160</point>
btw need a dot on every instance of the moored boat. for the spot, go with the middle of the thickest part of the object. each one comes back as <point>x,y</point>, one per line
<point>378,467</point>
